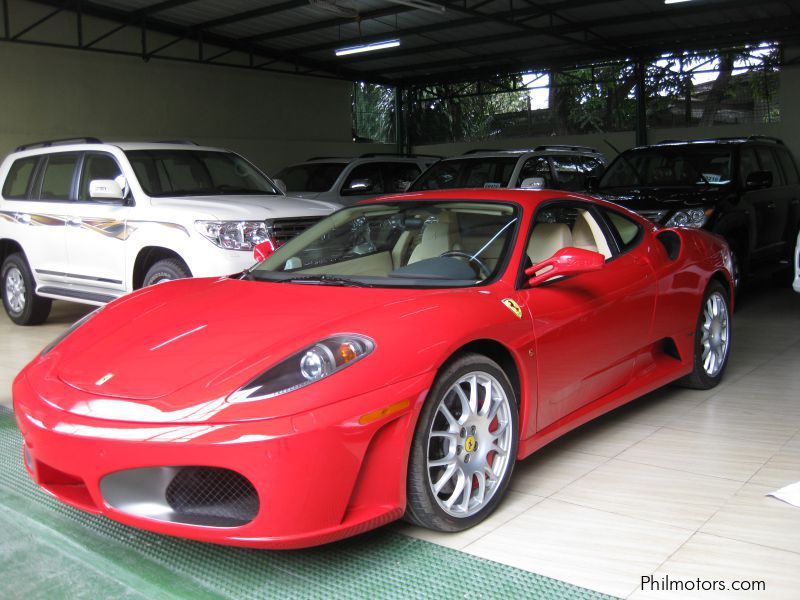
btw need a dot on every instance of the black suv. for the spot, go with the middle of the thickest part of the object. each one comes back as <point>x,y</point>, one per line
<point>744,189</point>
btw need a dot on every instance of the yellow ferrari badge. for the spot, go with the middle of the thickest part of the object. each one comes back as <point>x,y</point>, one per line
<point>470,444</point>
<point>513,307</point>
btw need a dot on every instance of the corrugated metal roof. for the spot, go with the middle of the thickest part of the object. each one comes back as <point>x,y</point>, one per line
<point>467,37</point>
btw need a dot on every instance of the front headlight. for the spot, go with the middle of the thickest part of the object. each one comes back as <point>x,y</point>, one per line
<point>690,217</point>
<point>234,235</point>
<point>64,335</point>
<point>311,364</point>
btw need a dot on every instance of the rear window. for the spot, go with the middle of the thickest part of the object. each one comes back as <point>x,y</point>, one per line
<point>312,177</point>
<point>19,178</point>
<point>467,173</point>
<point>58,174</point>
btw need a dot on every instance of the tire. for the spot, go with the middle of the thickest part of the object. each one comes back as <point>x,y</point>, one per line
<point>463,447</point>
<point>17,287</point>
<point>166,270</point>
<point>740,269</point>
<point>713,328</point>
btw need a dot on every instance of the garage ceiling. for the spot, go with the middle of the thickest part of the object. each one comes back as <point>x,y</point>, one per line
<point>446,40</point>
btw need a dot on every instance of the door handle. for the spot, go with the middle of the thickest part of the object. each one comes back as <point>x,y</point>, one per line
<point>74,222</point>
<point>771,205</point>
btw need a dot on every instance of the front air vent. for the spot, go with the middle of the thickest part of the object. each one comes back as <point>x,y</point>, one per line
<point>212,494</point>
<point>284,230</point>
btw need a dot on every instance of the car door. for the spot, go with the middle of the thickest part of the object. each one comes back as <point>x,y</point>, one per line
<point>589,327</point>
<point>774,203</point>
<point>96,230</point>
<point>793,193</point>
<point>40,193</point>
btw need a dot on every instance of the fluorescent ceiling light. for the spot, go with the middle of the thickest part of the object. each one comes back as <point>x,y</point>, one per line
<point>368,47</point>
<point>675,1</point>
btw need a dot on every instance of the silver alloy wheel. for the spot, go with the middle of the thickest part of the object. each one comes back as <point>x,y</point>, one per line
<point>15,290</point>
<point>716,334</point>
<point>468,444</point>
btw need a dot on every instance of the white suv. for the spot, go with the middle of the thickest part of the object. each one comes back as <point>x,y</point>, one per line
<point>348,180</point>
<point>557,167</point>
<point>86,221</point>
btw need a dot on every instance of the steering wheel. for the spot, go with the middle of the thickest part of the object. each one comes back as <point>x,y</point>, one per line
<point>483,270</point>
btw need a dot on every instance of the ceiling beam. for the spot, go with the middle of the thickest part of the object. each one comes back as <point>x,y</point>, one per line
<point>642,17</point>
<point>703,38</point>
<point>251,14</point>
<point>93,9</point>
<point>159,7</point>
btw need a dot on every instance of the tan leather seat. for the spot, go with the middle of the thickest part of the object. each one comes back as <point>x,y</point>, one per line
<point>587,235</point>
<point>437,238</point>
<point>547,239</point>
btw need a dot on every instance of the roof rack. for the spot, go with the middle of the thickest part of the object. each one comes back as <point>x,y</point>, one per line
<point>186,142</point>
<point>375,154</point>
<point>478,150</point>
<point>565,147</point>
<point>48,143</point>
<point>741,138</point>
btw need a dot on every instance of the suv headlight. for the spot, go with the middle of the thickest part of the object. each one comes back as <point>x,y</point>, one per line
<point>234,235</point>
<point>690,217</point>
<point>303,368</point>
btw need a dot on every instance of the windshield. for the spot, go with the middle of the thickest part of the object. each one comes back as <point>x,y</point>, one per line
<point>670,166</point>
<point>197,173</point>
<point>467,173</point>
<point>406,244</point>
<point>312,177</point>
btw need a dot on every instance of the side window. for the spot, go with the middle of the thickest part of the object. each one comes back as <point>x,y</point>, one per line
<point>748,164</point>
<point>398,176</point>
<point>565,226</point>
<point>538,166</point>
<point>58,175</point>
<point>567,176</point>
<point>589,167</point>
<point>769,163</point>
<point>626,229</point>
<point>364,179</point>
<point>96,166</point>
<point>789,166</point>
<point>18,179</point>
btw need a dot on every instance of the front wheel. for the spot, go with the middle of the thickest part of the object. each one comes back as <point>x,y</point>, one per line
<point>464,447</point>
<point>712,339</point>
<point>17,287</point>
<point>166,270</point>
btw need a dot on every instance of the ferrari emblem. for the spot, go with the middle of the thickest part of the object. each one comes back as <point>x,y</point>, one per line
<point>469,444</point>
<point>513,307</point>
<point>103,379</point>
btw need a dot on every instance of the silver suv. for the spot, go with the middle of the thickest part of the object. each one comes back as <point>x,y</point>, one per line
<point>348,180</point>
<point>553,167</point>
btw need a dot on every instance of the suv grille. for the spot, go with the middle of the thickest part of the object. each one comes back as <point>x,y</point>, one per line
<point>212,493</point>
<point>284,230</point>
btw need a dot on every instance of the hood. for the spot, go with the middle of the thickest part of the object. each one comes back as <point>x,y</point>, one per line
<point>155,342</point>
<point>241,208</point>
<point>668,197</point>
<point>306,195</point>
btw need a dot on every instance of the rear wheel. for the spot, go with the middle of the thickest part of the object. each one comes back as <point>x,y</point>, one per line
<point>166,270</point>
<point>464,447</point>
<point>712,339</point>
<point>17,287</point>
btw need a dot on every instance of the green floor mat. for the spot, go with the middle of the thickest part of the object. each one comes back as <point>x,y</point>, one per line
<point>49,550</point>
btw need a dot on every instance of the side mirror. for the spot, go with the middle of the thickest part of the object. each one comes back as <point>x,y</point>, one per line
<point>532,183</point>
<point>280,184</point>
<point>758,180</point>
<point>359,186</point>
<point>105,189</point>
<point>567,261</point>
<point>592,183</point>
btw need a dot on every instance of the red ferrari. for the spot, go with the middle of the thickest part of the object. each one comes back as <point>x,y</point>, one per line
<point>394,360</point>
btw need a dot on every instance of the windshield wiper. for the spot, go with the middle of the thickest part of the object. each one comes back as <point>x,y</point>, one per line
<point>325,279</point>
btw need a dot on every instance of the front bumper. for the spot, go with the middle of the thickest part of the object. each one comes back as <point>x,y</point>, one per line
<point>320,476</point>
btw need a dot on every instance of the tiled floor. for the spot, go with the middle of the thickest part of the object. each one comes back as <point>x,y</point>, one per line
<point>672,485</point>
